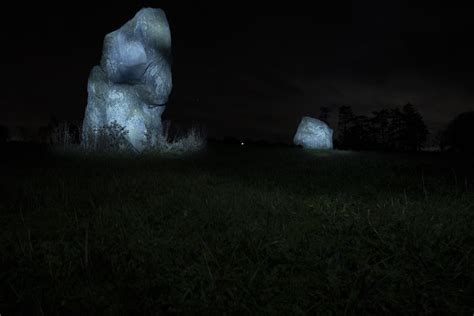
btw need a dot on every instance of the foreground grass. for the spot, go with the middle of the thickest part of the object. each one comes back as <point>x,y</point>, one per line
<point>253,230</point>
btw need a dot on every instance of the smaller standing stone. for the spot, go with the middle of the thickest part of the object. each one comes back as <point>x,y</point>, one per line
<point>314,134</point>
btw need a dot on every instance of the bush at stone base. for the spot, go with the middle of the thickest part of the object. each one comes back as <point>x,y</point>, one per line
<point>193,140</point>
<point>110,137</point>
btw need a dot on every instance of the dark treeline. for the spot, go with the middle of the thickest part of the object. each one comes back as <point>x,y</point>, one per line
<point>458,135</point>
<point>394,129</point>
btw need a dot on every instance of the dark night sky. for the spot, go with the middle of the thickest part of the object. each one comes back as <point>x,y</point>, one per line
<point>249,70</point>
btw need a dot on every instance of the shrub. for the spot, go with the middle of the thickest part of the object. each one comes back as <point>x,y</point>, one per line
<point>192,141</point>
<point>113,138</point>
<point>110,137</point>
<point>62,136</point>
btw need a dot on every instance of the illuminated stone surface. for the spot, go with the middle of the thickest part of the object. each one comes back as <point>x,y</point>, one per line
<point>314,134</point>
<point>133,81</point>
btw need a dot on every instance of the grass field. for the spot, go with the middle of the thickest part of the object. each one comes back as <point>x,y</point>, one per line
<point>267,230</point>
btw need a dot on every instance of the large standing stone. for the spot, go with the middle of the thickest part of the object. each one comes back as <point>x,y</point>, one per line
<point>133,81</point>
<point>314,134</point>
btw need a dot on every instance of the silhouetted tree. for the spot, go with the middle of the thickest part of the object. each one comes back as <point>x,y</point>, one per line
<point>346,120</point>
<point>414,131</point>
<point>459,133</point>
<point>358,135</point>
<point>395,130</point>
<point>324,113</point>
<point>379,130</point>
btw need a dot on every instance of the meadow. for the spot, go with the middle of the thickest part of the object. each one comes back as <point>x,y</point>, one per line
<point>236,229</point>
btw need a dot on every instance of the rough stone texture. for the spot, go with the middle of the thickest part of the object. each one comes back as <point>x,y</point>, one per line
<point>133,81</point>
<point>314,134</point>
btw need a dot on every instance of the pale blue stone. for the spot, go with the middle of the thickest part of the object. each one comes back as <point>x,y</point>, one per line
<point>314,134</point>
<point>133,82</point>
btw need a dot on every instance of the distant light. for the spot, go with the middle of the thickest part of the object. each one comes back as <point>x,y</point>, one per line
<point>242,143</point>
